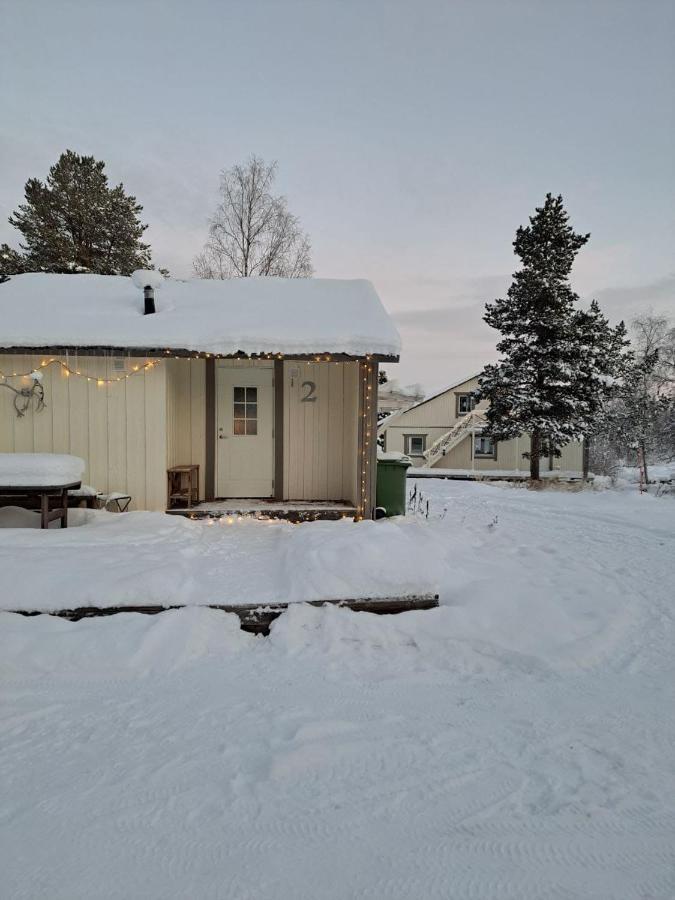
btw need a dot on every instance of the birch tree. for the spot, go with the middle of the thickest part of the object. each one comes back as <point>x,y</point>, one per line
<point>252,231</point>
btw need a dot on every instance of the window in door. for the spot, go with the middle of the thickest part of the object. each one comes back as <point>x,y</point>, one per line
<point>245,411</point>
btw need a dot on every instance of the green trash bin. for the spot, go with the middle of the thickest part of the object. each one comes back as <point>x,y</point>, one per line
<point>391,483</point>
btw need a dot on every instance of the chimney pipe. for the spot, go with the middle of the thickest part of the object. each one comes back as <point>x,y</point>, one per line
<point>149,297</point>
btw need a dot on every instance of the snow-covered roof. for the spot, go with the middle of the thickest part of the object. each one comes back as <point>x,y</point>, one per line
<point>241,315</point>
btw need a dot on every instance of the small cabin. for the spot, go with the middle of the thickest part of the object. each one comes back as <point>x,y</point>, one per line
<point>445,431</point>
<point>267,385</point>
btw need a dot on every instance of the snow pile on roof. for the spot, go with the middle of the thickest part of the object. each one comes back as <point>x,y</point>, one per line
<point>247,315</point>
<point>392,386</point>
<point>39,469</point>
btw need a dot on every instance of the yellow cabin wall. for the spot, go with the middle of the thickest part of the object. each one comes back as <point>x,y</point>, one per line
<point>321,436</point>
<point>119,430</point>
<point>129,432</point>
<point>186,415</point>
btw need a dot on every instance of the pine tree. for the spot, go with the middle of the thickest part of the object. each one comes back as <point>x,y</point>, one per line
<point>558,363</point>
<point>11,262</point>
<point>75,222</point>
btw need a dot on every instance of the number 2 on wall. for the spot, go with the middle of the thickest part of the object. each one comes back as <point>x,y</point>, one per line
<point>311,390</point>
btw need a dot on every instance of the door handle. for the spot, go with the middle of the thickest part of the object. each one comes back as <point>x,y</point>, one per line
<point>221,437</point>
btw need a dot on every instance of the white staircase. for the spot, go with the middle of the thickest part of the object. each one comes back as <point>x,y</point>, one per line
<point>472,422</point>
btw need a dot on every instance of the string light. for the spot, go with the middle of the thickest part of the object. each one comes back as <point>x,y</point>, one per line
<point>367,431</point>
<point>67,372</point>
<point>137,369</point>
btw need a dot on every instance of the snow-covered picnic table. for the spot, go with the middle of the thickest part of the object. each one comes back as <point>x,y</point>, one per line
<point>34,480</point>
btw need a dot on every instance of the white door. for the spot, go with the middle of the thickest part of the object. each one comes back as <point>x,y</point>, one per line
<point>244,432</point>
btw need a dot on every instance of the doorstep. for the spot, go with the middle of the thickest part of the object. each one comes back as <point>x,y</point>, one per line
<point>293,511</point>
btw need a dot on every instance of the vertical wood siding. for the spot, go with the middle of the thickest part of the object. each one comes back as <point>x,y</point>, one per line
<point>119,430</point>
<point>320,436</point>
<point>186,415</point>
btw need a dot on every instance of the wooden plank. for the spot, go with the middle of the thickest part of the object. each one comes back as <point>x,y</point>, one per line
<point>24,440</point>
<point>279,430</point>
<point>171,412</point>
<point>60,401</point>
<point>117,435</point>
<point>183,423</point>
<point>350,472</point>
<point>255,617</point>
<point>154,382</point>
<point>198,417</point>
<point>371,435</point>
<point>78,417</point>
<point>97,399</point>
<point>307,457</point>
<point>135,430</point>
<point>7,409</point>
<point>43,421</point>
<point>13,490</point>
<point>361,432</point>
<point>322,445</point>
<point>336,414</point>
<point>209,472</point>
<point>293,432</point>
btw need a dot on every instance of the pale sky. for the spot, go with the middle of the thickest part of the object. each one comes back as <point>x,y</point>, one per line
<point>412,138</point>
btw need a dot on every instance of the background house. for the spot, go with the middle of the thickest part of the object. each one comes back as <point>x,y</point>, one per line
<point>445,432</point>
<point>268,384</point>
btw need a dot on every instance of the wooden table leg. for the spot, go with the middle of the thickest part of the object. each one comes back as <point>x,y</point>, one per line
<point>44,510</point>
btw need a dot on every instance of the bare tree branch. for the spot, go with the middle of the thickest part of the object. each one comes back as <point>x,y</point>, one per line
<point>252,231</point>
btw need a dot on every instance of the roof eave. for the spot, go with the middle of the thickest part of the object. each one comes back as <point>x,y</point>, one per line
<point>183,352</point>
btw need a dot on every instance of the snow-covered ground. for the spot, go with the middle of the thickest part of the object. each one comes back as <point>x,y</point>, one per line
<point>515,743</point>
<point>657,472</point>
<point>146,558</point>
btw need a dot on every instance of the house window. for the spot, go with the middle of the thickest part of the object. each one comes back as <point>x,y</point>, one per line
<point>484,447</point>
<point>464,403</point>
<point>415,444</point>
<point>245,411</point>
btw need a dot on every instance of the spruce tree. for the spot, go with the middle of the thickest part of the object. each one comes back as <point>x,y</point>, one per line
<point>557,363</point>
<point>75,222</point>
